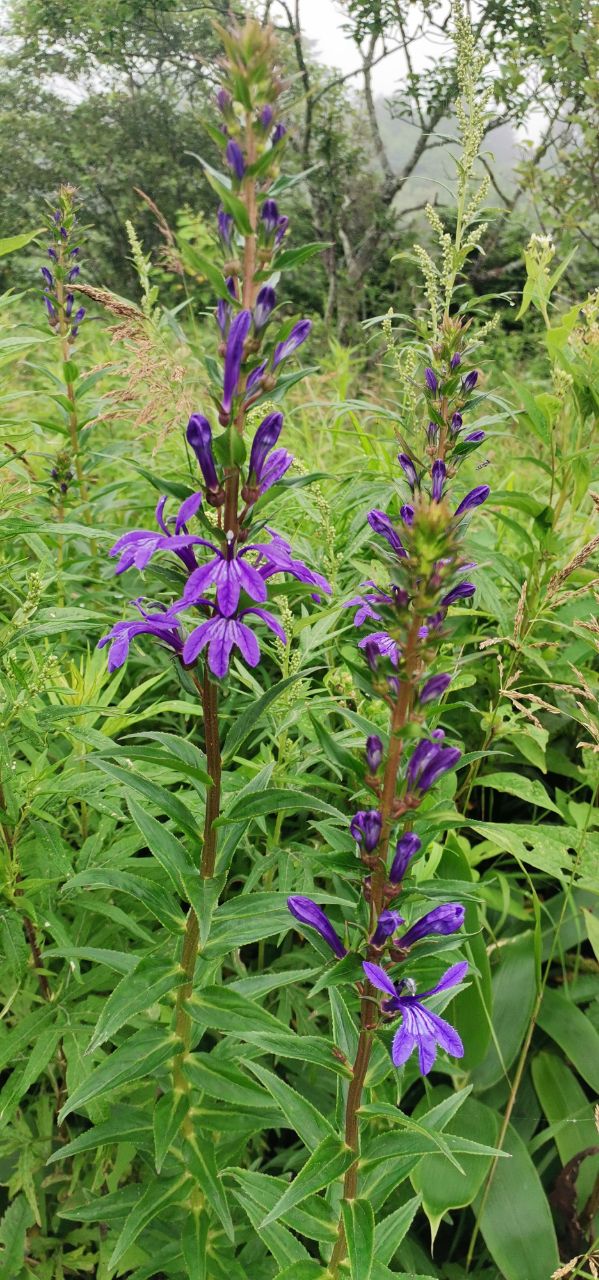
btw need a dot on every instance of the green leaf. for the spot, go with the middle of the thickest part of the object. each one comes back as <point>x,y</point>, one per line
<point>172,856</point>
<point>294,257</point>
<point>390,1232</point>
<point>326,1165</point>
<point>27,1073</point>
<point>150,980</point>
<point>194,1244</point>
<point>232,204</point>
<point>165,800</point>
<point>573,1032</point>
<point>13,1235</point>
<point>516,971</point>
<point>443,1187</point>
<point>470,1011</point>
<point>592,927</point>
<point>156,1197</point>
<point>304,1119</point>
<point>245,725</point>
<point>516,1220</point>
<point>126,1124</point>
<point>279,1241</point>
<point>567,1108</point>
<point>303,1271</point>
<point>169,1113</point>
<point>224,1080</point>
<point>277,800</point>
<point>138,1057</point>
<point>200,263</point>
<point>11,244</point>
<point>201,1162</point>
<point>517,784</point>
<point>134,886</point>
<point>358,1222</point>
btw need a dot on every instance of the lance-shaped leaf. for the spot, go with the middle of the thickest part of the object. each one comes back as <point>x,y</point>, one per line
<point>244,725</point>
<point>126,1124</point>
<point>305,1120</point>
<point>157,1196</point>
<point>390,1232</point>
<point>326,1165</point>
<point>283,1246</point>
<point>171,854</point>
<point>165,800</point>
<point>277,800</point>
<point>358,1223</point>
<point>201,1162</point>
<point>314,1219</point>
<point>194,1244</point>
<point>138,1057</point>
<point>150,980</point>
<point>169,1114</point>
<point>135,886</point>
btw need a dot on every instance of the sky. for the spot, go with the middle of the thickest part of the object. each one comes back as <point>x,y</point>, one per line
<point>322,22</point>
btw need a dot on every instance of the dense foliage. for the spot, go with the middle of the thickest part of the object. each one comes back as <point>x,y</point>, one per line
<point>300,844</point>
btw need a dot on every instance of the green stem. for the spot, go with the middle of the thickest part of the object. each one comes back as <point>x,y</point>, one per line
<point>209,694</point>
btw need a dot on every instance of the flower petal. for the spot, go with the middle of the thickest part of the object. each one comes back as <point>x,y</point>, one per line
<point>379,979</point>
<point>403,1045</point>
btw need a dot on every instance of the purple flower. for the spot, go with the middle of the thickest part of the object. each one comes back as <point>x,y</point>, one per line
<point>269,215</point>
<point>407,846</point>
<point>365,827</point>
<point>282,225</point>
<point>365,603</point>
<point>463,591</point>
<point>48,277</point>
<point>139,545</point>
<point>275,468</point>
<point>408,468</point>
<point>234,157</point>
<point>225,227</point>
<point>475,437</point>
<point>79,314</point>
<point>470,381</point>
<point>222,634</point>
<point>420,1028</point>
<point>164,626</point>
<point>379,644</point>
<point>298,334</point>
<point>387,924</point>
<point>407,514</point>
<point>255,376</point>
<point>432,432</point>
<point>428,763</point>
<point>238,333</point>
<point>278,558</point>
<point>430,378</point>
<point>473,499</point>
<point>230,573</point>
<point>455,361</point>
<point>434,687</point>
<point>382,525</point>
<point>307,912</point>
<point>69,301</point>
<point>52,253</point>
<point>265,302</point>
<point>73,273</point>
<point>223,100</point>
<point>278,133</point>
<point>199,436</point>
<point>264,440</point>
<point>265,116</point>
<point>438,474</point>
<point>446,919</point>
<point>374,752</point>
<point>456,423</point>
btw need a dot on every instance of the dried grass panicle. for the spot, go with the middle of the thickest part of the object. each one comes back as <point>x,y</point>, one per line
<point>170,256</point>
<point>152,379</point>
<point>572,1267</point>
<point>520,610</point>
<point>579,559</point>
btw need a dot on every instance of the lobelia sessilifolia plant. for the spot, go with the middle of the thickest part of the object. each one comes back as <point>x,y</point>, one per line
<point>65,317</point>
<point>226,567</point>
<point>425,570</point>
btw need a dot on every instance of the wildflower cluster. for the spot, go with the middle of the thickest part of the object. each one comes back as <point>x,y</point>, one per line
<point>64,269</point>
<point>226,575</point>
